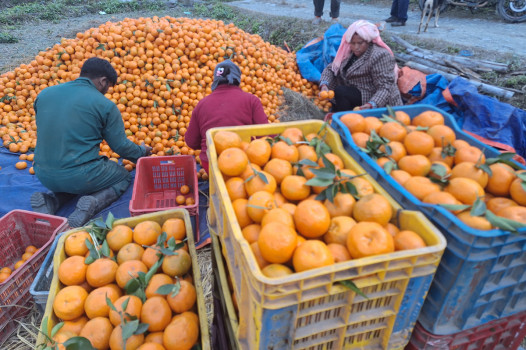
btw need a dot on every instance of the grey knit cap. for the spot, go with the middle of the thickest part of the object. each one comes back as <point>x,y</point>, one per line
<point>226,72</point>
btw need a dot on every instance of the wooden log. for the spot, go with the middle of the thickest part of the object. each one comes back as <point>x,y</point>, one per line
<point>489,89</point>
<point>451,67</point>
<point>480,65</point>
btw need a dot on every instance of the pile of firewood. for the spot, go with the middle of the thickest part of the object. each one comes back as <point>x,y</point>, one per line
<point>449,66</point>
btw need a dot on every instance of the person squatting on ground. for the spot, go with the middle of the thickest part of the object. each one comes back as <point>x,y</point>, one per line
<point>398,13</point>
<point>227,105</point>
<point>364,72</point>
<point>318,10</point>
<point>72,120</point>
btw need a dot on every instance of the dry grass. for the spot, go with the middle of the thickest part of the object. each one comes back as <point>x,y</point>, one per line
<point>26,334</point>
<point>297,107</point>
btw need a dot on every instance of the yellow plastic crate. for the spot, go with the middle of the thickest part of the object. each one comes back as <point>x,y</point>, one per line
<point>311,310</point>
<point>158,217</point>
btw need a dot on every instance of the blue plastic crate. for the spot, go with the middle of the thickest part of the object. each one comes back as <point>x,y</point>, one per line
<point>482,275</point>
<point>40,287</point>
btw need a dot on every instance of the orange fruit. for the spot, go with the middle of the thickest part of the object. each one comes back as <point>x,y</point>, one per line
<point>311,254</point>
<point>72,271</point>
<point>415,165</point>
<point>175,228</point>
<point>157,313</point>
<point>133,309</point>
<point>341,205</point>
<point>232,162</point>
<point>30,249</point>
<point>440,198</point>
<point>184,189</point>
<point>339,252</point>
<point>499,183</point>
<point>256,183</point>
<point>278,168</point>
<point>393,131</point>
<point>95,304</point>
<point>469,154</point>
<point>61,337</point>
<point>360,139</point>
<point>465,190</point>
<point>372,123</point>
<point>400,176</point>
<point>419,142</point>
<point>240,207</point>
<point>436,155</point>
<point>18,264</point>
<point>496,204</point>
<point>295,135</point>
<point>184,300</point>
<point>458,144</point>
<point>407,239</point>
<point>373,207</point>
<point>235,186</point>
<point>101,272</point>
<point>146,232</point>
<point>289,207</point>
<point>428,119</point>
<point>69,302</point>
<point>392,229</point>
<point>154,337</point>
<point>128,270</point>
<point>397,150</point>
<point>98,332</point>
<point>403,117</point>
<point>284,151</point>
<point>251,232</point>
<point>75,325</point>
<point>517,191</point>
<point>75,243</point>
<point>278,215</point>
<point>132,343</point>
<point>277,242</point>
<point>477,222</point>
<point>443,135</point>
<point>307,152</point>
<point>177,265</point>
<point>257,255</point>
<point>249,171</point>
<point>338,230</point>
<point>369,238</point>
<point>469,170</point>
<point>131,251</point>
<point>119,236</point>
<point>421,187</point>
<point>157,280</point>
<point>354,122</point>
<point>293,188</point>
<point>312,219</point>
<point>256,203</point>
<point>439,170</point>
<point>276,271</point>
<point>26,256</point>
<point>515,213</point>
<point>4,276</point>
<point>182,333</point>
<point>258,152</point>
<point>333,158</point>
<point>6,270</point>
<point>226,139</point>
<point>279,199</point>
<point>150,257</point>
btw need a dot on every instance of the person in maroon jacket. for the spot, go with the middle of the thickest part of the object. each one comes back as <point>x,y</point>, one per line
<point>227,105</point>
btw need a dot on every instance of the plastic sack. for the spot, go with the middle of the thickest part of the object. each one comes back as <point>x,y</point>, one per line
<point>319,52</point>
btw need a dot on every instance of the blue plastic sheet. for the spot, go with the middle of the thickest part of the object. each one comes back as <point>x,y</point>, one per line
<point>17,186</point>
<point>488,117</point>
<point>318,53</point>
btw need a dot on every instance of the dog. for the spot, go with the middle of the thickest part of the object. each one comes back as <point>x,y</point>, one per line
<point>430,7</point>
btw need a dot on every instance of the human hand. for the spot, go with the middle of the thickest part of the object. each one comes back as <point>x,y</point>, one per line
<point>147,150</point>
<point>366,106</point>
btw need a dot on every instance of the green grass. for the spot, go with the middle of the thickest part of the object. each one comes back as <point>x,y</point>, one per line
<point>7,38</point>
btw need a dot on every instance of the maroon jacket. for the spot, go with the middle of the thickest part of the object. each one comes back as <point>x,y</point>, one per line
<point>227,105</point>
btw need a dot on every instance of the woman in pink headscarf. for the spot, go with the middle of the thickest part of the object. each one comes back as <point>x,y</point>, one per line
<point>364,72</point>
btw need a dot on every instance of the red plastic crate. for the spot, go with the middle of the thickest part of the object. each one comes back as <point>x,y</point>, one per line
<point>503,334</point>
<point>18,229</point>
<point>158,181</point>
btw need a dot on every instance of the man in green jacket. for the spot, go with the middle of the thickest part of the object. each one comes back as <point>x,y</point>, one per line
<point>72,120</point>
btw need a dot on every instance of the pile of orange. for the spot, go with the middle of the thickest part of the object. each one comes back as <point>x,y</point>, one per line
<point>165,66</point>
<point>6,271</point>
<point>287,227</point>
<point>81,303</point>
<point>429,161</point>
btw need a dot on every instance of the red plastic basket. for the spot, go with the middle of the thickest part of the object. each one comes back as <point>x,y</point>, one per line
<point>18,229</point>
<point>503,334</point>
<point>158,181</point>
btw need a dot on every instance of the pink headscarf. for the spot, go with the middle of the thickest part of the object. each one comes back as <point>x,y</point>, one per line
<point>368,32</point>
